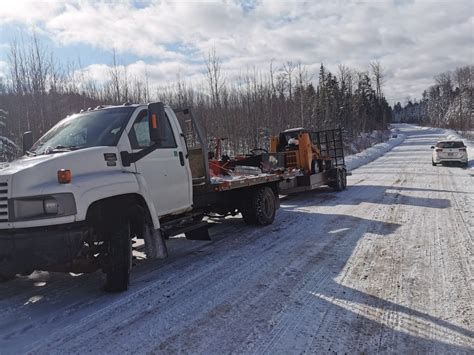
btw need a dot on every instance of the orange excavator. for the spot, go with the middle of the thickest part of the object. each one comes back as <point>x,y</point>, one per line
<point>303,150</point>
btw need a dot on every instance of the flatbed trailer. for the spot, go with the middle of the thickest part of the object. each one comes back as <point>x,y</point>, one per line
<point>327,168</point>
<point>297,184</point>
<point>302,160</point>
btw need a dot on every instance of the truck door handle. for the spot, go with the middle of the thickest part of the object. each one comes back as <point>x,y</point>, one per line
<point>181,158</point>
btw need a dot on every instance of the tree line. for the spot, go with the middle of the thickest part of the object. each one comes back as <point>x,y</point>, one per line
<point>448,103</point>
<point>40,90</point>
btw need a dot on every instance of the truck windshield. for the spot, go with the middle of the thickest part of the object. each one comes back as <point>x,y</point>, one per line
<point>83,130</point>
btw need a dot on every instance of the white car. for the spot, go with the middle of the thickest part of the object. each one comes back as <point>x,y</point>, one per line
<point>449,151</point>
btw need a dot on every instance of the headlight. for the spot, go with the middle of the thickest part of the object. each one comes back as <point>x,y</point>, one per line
<point>48,206</point>
<point>51,206</point>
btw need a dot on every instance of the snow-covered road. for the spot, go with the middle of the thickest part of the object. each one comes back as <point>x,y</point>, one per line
<point>385,266</point>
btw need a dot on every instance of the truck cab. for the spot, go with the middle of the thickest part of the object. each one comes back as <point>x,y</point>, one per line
<point>95,176</point>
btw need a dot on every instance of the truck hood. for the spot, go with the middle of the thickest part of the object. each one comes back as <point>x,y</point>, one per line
<point>25,163</point>
<point>30,176</point>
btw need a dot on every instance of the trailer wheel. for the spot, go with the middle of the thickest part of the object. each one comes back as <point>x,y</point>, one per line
<point>338,185</point>
<point>260,209</point>
<point>119,263</point>
<point>344,179</point>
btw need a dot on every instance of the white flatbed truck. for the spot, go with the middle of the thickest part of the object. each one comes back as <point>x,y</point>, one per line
<point>100,178</point>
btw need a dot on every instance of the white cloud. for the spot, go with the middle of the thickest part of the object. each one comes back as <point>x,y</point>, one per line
<point>158,74</point>
<point>28,12</point>
<point>414,40</point>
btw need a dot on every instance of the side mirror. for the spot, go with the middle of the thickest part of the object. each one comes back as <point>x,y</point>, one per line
<point>27,141</point>
<point>157,121</point>
<point>432,147</point>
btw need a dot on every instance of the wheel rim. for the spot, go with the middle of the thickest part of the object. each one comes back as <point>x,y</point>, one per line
<point>268,206</point>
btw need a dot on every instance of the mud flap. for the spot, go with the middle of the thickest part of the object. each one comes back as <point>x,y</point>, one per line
<point>155,246</point>
<point>201,233</point>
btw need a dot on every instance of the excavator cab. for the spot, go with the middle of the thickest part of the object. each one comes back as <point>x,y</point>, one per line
<point>288,140</point>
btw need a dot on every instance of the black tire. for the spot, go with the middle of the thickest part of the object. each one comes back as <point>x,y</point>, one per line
<point>260,208</point>
<point>344,179</point>
<point>320,165</point>
<point>5,277</point>
<point>119,263</point>
<point>433,163</point>
<point>314,166</point>
<point>338,185</point>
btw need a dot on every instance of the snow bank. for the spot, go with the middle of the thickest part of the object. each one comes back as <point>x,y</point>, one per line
<point>366,156</point>
<point>450,134</point>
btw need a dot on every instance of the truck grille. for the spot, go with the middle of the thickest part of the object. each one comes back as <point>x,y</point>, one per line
<point>3,201</point>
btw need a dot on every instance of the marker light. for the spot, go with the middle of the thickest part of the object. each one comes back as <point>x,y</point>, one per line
<point>64,176</point>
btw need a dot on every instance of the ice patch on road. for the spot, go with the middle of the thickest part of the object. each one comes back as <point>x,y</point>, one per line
<point>368,155</point>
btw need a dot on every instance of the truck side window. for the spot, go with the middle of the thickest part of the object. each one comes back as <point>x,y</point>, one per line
<point>140,133</point>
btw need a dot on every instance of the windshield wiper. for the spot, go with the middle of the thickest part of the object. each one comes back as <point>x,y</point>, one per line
<point>30,153</point>
<point>60,149</point>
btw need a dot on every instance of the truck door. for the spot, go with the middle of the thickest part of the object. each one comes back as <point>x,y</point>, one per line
<point>165,170</point>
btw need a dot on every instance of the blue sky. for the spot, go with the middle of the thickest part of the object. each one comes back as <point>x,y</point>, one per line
<point>413,40</point>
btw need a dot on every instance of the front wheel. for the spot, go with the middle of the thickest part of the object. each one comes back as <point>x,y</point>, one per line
<point>433,163</point>
<point>119,261</point>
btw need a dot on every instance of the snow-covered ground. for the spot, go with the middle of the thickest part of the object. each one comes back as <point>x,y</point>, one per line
<point>384,266</point>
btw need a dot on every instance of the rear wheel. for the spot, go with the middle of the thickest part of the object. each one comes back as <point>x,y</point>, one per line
<point>119,258</point>
<point>260,208</point>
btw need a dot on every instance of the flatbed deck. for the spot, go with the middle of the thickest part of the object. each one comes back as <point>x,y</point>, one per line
<point>224,184</point>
